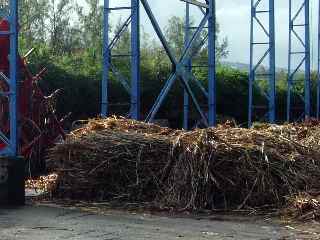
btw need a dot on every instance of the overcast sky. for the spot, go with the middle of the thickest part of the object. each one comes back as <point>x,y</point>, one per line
<point>234,19</point>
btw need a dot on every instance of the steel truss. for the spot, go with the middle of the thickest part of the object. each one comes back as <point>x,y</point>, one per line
<point>210,40</point>
<point>181,67</point>
<point>256,63</point>
<point>303,57</point>
<point>131,86</point>
<point>10,139</point>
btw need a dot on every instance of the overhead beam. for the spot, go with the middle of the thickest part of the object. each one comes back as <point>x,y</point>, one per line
<point>196,3</point>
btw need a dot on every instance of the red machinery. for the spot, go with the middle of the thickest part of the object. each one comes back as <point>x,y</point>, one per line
<point>39,127</point>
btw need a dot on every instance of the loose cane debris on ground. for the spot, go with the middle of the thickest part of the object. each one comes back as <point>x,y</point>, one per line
<point>303,207</point>
<point>44,184</point>
<point>216,168</point>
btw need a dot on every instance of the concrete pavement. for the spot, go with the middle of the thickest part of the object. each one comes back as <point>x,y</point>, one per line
<point>55,223</point>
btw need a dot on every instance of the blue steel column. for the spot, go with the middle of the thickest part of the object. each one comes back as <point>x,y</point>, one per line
<point>135,60</point>
<point>13,77</point>
<point>272,65</point>
<point>212,61</point>
<point>307,82</point>
<point>270,76</point>
<point>251,70</point>
<point>106,61</point>
<point>303,42</point>
<point>186,101</point>
<point>318,67</point>
<point>289,88</point>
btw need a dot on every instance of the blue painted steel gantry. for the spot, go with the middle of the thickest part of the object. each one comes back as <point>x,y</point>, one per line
<point>209,38</point>
<point>10,139</point>
<point>181,67</point>
<point>256,75</point>
<point>299,55</point>
<point>132,87</point>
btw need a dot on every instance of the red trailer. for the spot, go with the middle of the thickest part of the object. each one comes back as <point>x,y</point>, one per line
<point>39,126</point>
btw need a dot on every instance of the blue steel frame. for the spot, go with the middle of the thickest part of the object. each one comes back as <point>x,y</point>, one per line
<point>210,39</point>
<point>186,102</point>
<point>11,140</point>
<point>132,88</point>
<point>318,66</point>
<point>181,67</point>
<point>269,76</point>
<point>212,61</point>
<point>305,55</point>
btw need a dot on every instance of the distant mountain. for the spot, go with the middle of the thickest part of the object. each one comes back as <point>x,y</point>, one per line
<point>245,67</point>
<point>236,65</point>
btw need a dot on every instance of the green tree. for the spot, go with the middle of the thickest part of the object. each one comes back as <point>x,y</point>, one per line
<point>33,16</point>
<point>124,43</point>
<point>175,33</point>
<point>60,29</point>
<point>91,26</point>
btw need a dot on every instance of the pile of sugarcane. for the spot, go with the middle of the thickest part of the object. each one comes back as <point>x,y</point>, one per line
<point>112,158</point>
<point>303,207</point>
<point>215,168</point>
<point>44,184</point>
<point>306,133</point>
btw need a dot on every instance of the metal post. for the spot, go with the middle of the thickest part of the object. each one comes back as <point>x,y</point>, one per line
<point>13,77</point>
<point>272,65</point>
<point>106,61</point>
<point>251,73</point>
<point>289,64</point>
<point>186,101</point>
<point>307,85</point>
<point>135,60</point>
<point>318,67</point>
<point>12,190</point>
<point>212,62</point>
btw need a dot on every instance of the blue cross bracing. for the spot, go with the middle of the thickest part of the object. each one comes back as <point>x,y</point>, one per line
<point>10,137</point>
<point>263,81</point>
<point>182,69</point>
